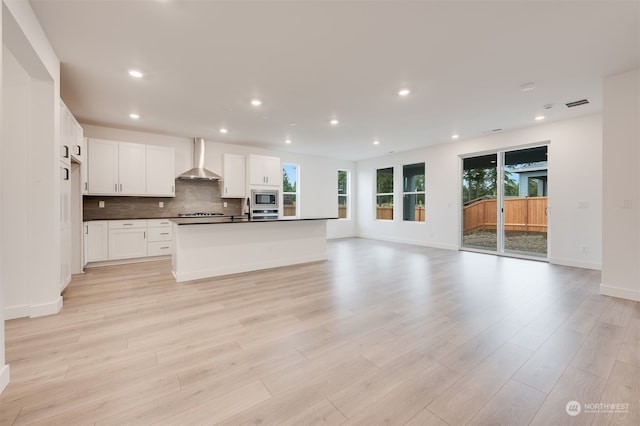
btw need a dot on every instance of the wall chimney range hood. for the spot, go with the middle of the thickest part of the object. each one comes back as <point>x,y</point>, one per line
<point>198,171</point>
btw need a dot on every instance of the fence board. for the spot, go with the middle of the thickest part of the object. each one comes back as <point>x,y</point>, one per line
<point>527,214</point>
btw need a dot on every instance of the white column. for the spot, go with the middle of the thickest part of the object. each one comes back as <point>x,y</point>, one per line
<point>621,186</point>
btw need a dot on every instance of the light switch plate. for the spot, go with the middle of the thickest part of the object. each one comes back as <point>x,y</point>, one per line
<point>101,204</point>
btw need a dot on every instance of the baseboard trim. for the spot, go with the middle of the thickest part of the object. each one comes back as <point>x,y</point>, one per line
<point>622,293</point>
<point>45,309</point>
<point>575,263</point>
<point>13,312</point>
<point>126,261</point>
<point>412,242</point>
<point>4,377</point>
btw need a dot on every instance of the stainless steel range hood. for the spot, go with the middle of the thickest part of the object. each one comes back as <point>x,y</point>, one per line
<point>198,171</point>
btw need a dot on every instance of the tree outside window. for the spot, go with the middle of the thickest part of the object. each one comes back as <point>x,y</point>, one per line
<point>413,196</point>
<point>289,190</point>
<point>384,193</point>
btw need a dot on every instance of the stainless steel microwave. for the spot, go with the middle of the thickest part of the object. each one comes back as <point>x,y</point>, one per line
<point>264,204</point>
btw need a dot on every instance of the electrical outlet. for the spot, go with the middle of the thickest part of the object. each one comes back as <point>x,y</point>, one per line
<point>101,204</point>
<point>583,204</point>
<point>626,204</point>
<point>224,204</point>
<point>584,249</point>
<point>161,204</point>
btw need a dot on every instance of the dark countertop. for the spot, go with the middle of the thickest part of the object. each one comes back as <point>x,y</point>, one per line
<point>234,219</point>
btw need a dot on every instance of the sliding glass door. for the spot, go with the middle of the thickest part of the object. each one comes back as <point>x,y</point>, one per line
<point>504,202</point>
<point>479,208</point>
<point>524,203</point>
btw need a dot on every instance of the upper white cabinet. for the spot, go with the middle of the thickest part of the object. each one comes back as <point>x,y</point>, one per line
<point>264,170</point>
<point>123,168</point>
<point>234,176</point>
<point>160,171</point>
<point>132,169</point>
<point>103,167</point>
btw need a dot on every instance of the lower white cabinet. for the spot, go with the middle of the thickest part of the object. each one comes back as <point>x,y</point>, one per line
<point>127,239</point>
<point>106,240</point>
<point>160,237</point>
<point>96,241</point>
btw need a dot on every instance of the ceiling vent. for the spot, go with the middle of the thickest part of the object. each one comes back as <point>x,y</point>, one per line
<point>577,103</point>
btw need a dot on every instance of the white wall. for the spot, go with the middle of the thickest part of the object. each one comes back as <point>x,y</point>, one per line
<point>34,188</point>
<point>318,175</point>
<point>621,186</point>
<point>575,174</point>
<point>4,369</point>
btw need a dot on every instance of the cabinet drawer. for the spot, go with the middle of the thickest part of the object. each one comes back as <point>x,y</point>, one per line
<point>127,224</point>
<point>157,223</point>
<point>160,234</point>
<point>158,248</point>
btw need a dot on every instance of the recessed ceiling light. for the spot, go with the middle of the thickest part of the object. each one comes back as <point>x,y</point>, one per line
<point>223,130</point>
<point>134,116</point>
<point>292,123</point>
<point>334,122</point>
<point>256,102</point>
<point>287,141</point>
<point>527,87</point>
<point>404,92</point>
<point>376,142</point>
<point>540,117</point>
<point>135,74</point>
<point>455,136</point>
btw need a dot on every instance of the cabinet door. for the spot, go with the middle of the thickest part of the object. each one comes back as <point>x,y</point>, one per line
<point>132,174</point>
<point>264,170</point>
<point>127,243</point>
<point>272,171</point>
<point>78,151</point>
<point>84,182</point>
<point>103,167</point>
<point>160,171</point>
<point>96,241</point>
<point>234,182</point>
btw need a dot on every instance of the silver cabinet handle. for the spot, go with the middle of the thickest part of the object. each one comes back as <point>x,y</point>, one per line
<point>127,224</point>
<point>116,187</point>
<point>144,235</point>
<point>164,248</point>
<point>164,233</point>
<point>86,186</point>
<point>120,187</point>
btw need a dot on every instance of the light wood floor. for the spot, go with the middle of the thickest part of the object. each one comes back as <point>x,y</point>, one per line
<point>381,333</point>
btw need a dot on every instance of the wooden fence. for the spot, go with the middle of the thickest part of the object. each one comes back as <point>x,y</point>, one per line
<point>291,211</point>
<point>528,214</point>
<point>387,213</point>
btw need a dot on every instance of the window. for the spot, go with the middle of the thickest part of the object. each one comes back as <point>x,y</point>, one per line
<point>413,192</point>
<point>289,190</point>
<point>384,193</point>
<point>343,194</point>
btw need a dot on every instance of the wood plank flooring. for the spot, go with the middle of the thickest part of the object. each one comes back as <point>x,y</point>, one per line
<point>381,333</point>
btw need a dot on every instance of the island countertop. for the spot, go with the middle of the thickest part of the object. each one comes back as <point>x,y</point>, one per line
<point>236,219</point>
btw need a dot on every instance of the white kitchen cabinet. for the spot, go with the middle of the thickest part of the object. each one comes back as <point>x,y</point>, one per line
<point>65,225</point>
<point>160,177</point>
<point>96,241</point>
<point>103,167</point>
<point>78,147</point>
<point>160,238</point>
<point>127,239</point>
<point>84,169</point>
<point>234,176</point>
<point>67,135</point>
<point>132,174</point>
<point>264,170</point>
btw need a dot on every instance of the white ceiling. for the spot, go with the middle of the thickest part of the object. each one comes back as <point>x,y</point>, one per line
<point>310,61</point>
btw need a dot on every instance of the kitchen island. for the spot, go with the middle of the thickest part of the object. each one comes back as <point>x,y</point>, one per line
<point>212,247</point>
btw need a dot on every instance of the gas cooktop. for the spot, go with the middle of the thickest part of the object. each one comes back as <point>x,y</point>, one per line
<point>205,214</point>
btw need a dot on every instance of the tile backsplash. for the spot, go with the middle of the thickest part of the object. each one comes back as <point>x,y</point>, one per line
<point>191,196</point>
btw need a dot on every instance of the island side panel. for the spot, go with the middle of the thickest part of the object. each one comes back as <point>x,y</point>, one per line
<point>211,250</point>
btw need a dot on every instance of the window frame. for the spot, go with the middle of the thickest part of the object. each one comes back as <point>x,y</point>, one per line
<point>297,191</point>
<point>423,193</point>
<point>381,194</point>
<point>346,195</point>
